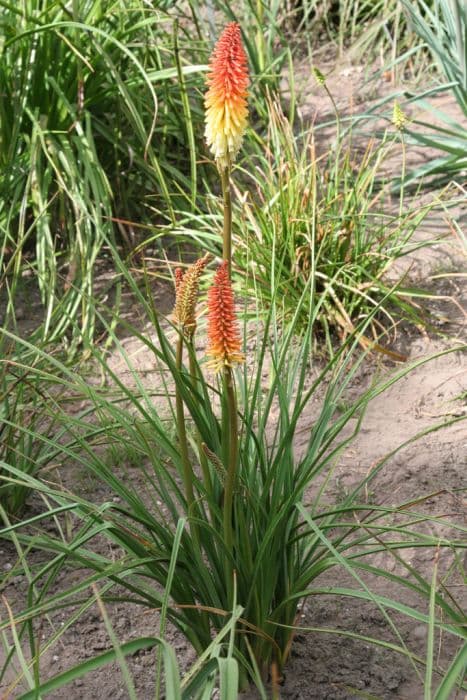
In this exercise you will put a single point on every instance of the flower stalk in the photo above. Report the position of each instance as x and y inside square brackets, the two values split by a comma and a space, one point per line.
[181, 429]
[226, 118]
[232, 460]
[224, 352]
[227, 226]
[184, 315]
[203, 460]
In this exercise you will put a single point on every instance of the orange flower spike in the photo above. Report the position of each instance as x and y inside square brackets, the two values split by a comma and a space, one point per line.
[225, 100]
[223, 333]
[186, 295]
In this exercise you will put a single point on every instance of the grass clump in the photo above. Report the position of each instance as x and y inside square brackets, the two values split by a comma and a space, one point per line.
[323, 231]
[81, 147]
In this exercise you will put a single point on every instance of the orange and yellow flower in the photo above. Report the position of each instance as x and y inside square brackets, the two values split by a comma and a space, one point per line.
[225, 100]
[223, 333]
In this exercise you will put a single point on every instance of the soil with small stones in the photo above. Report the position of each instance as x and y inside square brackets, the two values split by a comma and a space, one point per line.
[431, 471]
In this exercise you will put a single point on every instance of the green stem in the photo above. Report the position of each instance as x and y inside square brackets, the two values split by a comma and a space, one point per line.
[231, 424]
[227, 229]
[402, 188]
[202, 457]
[231, 476]
[260, 35]
[202, 618]
[182, 439]
[338, 137]
[188, 121]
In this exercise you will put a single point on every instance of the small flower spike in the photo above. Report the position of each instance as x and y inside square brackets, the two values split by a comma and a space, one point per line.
[223, 333]
[225, 100]
[186, 295]
[399, 119]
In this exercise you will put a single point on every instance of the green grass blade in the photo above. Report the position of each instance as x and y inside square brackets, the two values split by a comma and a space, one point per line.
[455, 675]
[86, 667]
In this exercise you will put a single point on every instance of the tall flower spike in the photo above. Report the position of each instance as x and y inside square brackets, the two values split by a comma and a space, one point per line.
[223, 333]
[186, 295]
[225, 100]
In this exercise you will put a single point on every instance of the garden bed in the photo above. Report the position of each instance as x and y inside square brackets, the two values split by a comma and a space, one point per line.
[428, 473]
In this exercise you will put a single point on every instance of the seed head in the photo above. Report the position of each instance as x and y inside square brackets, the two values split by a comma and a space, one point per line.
[320, 79]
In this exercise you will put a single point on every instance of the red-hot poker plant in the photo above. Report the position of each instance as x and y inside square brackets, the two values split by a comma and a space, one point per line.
[236, 475]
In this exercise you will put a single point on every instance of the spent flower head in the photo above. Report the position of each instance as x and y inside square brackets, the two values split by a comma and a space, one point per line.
[223, 333]
[186, 295]
[225, 100]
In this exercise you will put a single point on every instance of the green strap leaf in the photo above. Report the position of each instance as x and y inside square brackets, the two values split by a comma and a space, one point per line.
[101, 660]
[452, 675]
[228, 675]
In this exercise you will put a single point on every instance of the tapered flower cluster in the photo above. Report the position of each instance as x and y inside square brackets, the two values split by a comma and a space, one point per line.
[223, 333]
[225, 100]
[399, 119]
[186, 295]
